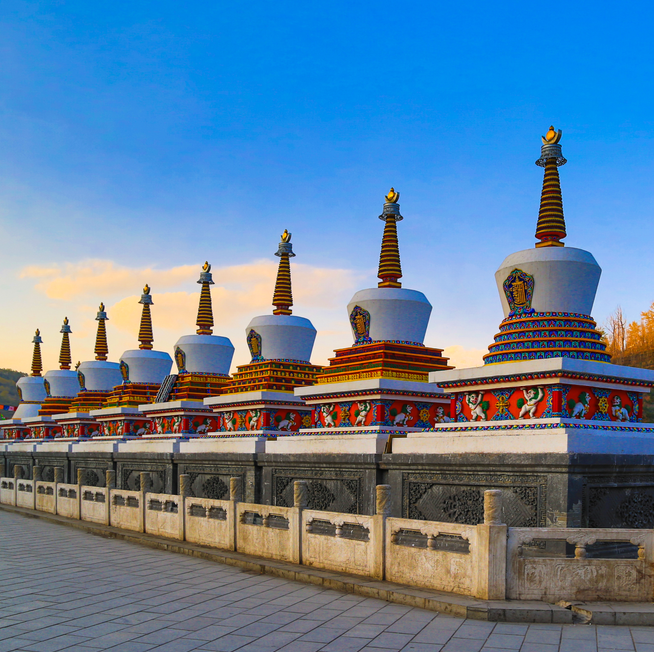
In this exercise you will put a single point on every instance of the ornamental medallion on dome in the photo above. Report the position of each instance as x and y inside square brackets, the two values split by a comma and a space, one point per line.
[124, 371]
[360, 321]
[254, 344]
[180, 359]
[519, 291]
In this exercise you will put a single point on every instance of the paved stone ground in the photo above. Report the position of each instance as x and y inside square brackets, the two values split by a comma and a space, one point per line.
[63, 589]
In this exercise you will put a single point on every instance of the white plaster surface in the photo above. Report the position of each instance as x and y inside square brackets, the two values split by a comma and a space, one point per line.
[171, 406]
[99, 445]
[27, 410]
[63, 382]
[378, 385]
[211, 354]
[147, 366]
[245, 397]
[151, 445]
[100, 375]
[285, 337]
[565, 279]
[32, 388]
[370, 442]
[114, 411]
[395, 313]
[216, 444]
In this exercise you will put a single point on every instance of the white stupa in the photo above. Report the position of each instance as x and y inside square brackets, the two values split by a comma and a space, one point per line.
[31, 389]
[143, 365]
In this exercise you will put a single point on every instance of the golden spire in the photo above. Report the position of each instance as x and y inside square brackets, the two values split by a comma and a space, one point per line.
[101, 348]
[37, 365]
[390, 269]
[205, 312]
[65, 359]
[283, 296]
[551, 223]
[145, 330]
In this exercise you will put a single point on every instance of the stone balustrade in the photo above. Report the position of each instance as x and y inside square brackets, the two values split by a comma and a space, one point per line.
[487, 561]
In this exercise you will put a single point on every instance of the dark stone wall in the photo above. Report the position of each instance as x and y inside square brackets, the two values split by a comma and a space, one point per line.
[538, 490]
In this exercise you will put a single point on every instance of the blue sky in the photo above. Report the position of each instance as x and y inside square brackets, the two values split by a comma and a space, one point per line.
[139, 139]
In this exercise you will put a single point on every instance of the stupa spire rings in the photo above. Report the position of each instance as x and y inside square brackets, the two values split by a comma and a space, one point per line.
[65, 359]
[283, 295]
[551, 223]
[390, 268]
[37, 364]
[205, 310]
[101, 347]
[145, 330]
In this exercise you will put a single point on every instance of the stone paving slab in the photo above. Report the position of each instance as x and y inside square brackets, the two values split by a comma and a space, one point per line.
[64, 589]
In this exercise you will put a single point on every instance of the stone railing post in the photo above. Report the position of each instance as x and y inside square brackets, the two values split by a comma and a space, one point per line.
[184, 485]
[491, 549]
[110, 483]
[184, 493]
[144, 486]
[18, 471]
[234, 499]
[58, 479]
[300, 503]
[80, 477]
[383, 511]
[37, 473]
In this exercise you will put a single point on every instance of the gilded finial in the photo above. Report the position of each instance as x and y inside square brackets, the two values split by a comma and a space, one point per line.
[206, 267]
[146, 289]
[101, 306]
[286, 236]
[77, 365]
[552, 137]
[37, 335]
[392, 197]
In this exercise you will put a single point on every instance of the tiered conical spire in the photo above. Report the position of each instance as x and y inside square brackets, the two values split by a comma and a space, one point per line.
[101, 347]
[145, 330]
[551, 223]
[390, 269]
[205, 312]
[283, 296]
[37, 364]
[65, 359]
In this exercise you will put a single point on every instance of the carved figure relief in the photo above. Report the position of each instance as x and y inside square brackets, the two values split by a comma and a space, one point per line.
[533, 396]
[477, 405]
[180, 359]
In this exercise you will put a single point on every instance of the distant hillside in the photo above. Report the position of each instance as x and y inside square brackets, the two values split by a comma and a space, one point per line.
[8, 393]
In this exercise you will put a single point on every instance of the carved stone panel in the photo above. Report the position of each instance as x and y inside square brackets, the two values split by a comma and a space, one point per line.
[459, 498]
[621, 506]
[326, 490]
